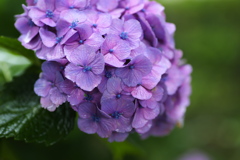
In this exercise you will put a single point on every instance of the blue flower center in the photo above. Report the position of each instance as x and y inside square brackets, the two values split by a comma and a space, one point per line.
[108, 74]
[81, 41]
[59, 39]
[127, 8]
[95, 118]
[74, 24]
[111, 50]
[71, 7]
[88, 97]
[131, 67]
[49, 14]
[143, 10]
[87, 68]
[124, 35]
[116, 115]
[118, 96]
[95, 25]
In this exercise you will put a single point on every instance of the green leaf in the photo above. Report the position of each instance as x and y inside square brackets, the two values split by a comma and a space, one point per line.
[22, 117]
[15, 47]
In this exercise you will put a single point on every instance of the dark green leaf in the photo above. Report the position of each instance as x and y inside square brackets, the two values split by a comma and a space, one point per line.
[22, 117]
[15, 47]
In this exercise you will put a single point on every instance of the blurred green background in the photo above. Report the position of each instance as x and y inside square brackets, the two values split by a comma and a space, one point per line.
[208, 31]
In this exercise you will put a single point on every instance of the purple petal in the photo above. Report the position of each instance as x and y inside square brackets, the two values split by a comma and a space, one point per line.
[42, 87]
[116, 27]
[114, 85]
[47, 104]
[97, 64]
[48, 38]
[87, 125]
[71, 71]
[141, 93]
[107, 7]
[104, 20]
[139, 121]
[48, 21]
[118, 137]
[86, 110]
[143, 65]
[95, 41]
[76, 96]
[105, 128]
[67, 86]
[36, 16]
[82, 55]
[87, 80]
[145, 128]
[112, 60]
[133, 28]
[57, 97]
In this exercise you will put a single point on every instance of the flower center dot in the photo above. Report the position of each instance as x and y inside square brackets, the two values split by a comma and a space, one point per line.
[118, 96]
[124, 35]
[49, 14]
[116, 115]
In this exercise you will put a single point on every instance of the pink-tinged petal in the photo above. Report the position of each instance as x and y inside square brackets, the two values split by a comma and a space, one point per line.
[116, 27]
[69, 36]
[127, 108]
[158, 93]
[116, 13]
[42, 87]
[105, 128]
[118, 137]
[87, 125]
[86, 110]
[57, 97]
[82, 55]
[35, 14]
[150, 103]
[97, 64]
[139, 121]
[46, 4]
[122, 50]
[107, 7]
[133, 28]
[48, 21]
[104, 20]
[143, 65]
[73, 15]
[150, 114]
[62, 5]
[113, 61]
[136, 9]
[87, 80]
[150, 81]
[76, 96]
[141, 93]
[110, 42]
[145, 128]
[47, 104]
[48, 38]
[55, 53]
[71, 71]
[95, 41]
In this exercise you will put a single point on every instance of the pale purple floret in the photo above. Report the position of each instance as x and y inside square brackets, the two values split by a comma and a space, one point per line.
[48, 86]
[108, 73]
[71, 4]
[130, 31]
[115, 92]
[132, 6]
[143, 115]
[85, 67]
[82, 35]
[31, 2]
[92, 120]
[69, 19]
[132, 74]
[44, 13]
[107, 6]
[118, 137]
[75, 94]
[100, 22]
[121, 112]
[115, 51]
[52, 48]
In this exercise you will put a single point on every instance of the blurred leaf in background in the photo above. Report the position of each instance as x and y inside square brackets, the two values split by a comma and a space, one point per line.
[209, 35]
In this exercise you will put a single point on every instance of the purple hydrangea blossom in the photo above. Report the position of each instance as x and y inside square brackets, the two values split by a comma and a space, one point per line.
[92, 120]
[48, 86]
[113, 61]
[85, 67]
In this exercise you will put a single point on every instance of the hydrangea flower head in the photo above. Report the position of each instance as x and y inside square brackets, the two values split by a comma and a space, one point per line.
[114, 61]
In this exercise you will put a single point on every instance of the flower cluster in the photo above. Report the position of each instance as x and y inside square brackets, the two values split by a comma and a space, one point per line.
[114, 61]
